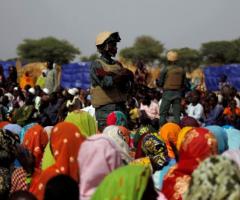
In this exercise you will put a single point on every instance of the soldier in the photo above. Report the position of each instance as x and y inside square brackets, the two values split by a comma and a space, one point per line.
[172, 80]
[110, 81]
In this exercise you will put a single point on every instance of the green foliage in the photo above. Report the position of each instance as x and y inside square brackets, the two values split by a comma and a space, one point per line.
[221, 51]
[90, 58]
[145, 48]
[47, 49]
[189, 58]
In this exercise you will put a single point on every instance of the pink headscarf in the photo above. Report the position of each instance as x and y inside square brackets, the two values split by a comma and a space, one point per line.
[233, 154]
[98, 156]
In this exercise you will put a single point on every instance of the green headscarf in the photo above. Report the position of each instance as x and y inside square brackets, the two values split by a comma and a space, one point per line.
[216, 178]
[125, 183]
[84, 121]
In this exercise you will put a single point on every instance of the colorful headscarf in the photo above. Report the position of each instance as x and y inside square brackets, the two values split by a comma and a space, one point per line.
[221, 137]
[198, 144]
[156, 150]
[84, 121]
[117, 118]
[233, 154]
[65, 141]
[189, 121]
[98, 156]
[126, 183]
[143, 130]
[216, 178]
[14, 128]
[3, 123]
[115, 133]
[181, 135]
[35, 140]
[126, 134]
[24, 130]
[233, 138]
[169, 134]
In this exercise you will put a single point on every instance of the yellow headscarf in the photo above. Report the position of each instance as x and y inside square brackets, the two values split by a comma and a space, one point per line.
[181, 135]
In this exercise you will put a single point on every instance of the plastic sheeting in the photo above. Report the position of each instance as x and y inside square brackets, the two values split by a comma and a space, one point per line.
[213, 74]
[6, 65]
[76, 75]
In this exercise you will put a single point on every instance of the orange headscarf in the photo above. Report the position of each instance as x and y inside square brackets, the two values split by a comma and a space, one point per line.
[169, 133]
[181, 135]
[65, 142]
[35, 140]
[125, 134]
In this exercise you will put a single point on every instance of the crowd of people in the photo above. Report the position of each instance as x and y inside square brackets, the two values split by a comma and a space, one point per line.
[58, 143]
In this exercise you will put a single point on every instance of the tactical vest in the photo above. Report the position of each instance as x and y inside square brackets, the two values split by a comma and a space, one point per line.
[174, 78]
[100, 96]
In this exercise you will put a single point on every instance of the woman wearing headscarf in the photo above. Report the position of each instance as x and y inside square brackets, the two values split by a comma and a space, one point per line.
[233, 136]
[115, 134]
[8, 143]
[189, 121]
[181, 136]
[129, 182]
[198, 144]
[84, 121]
[216, 178]
[3, 123]
[65, 142]
[14, 128]
[30, 157]
[117, 118]
[233, 154]
[221, 137]
[98, 156]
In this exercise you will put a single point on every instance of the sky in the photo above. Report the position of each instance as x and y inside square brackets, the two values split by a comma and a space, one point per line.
[176, 23]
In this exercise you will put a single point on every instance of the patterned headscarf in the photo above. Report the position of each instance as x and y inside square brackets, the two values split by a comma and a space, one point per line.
[156, 150]
[35, 140]
[181, 135]
[126, 183]
[216, 178]
[221, 137]
[65, 142]
[115, 133]
[169, 134]
[198, 144]
[117, 118]
[92, 171]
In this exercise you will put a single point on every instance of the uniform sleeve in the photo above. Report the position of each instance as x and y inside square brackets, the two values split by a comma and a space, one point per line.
[99, 77]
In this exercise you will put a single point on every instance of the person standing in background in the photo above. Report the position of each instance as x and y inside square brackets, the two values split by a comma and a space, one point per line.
[51, 79]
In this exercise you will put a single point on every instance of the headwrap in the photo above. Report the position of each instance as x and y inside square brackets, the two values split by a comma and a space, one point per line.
[169, 134]
[143, 130]
[198, 144]
[156, 150]
[233, 154]
[65, 142]
[116, 135]
[35, 140]
[125, 133]
[126, 183]
[117, 118]
[181, 135]
[3, 123]
[98, 156]
[221, 137]
[233, 138]
[216, 178]
[189, 121]
[84, 121]
[14, 128]
[24, 130]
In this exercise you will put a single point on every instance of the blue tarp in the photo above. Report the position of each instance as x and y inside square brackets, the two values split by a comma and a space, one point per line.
[6, 65]
[76, 75]
[213, 74]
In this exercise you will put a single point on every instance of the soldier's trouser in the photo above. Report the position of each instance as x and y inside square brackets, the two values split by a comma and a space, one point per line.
[103, 111]
[170, 98]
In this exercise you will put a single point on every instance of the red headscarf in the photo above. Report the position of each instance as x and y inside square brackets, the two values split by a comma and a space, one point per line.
[3, 123]
[65, 142]
[35, 140]
[198, 144]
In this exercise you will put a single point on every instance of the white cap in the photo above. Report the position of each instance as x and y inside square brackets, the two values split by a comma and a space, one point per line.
[71, 91]
[15, 88]
[31, 90]
[75, 90]
[45, 90]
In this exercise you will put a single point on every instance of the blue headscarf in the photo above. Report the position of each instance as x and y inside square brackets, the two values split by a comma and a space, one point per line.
[221, 136]
[233, 137]
[14, 128]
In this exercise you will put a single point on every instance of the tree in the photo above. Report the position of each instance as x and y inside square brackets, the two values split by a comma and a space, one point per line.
[47, 49]
[145, 48]
[189, 58]
[90, 58]
[220, 52]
